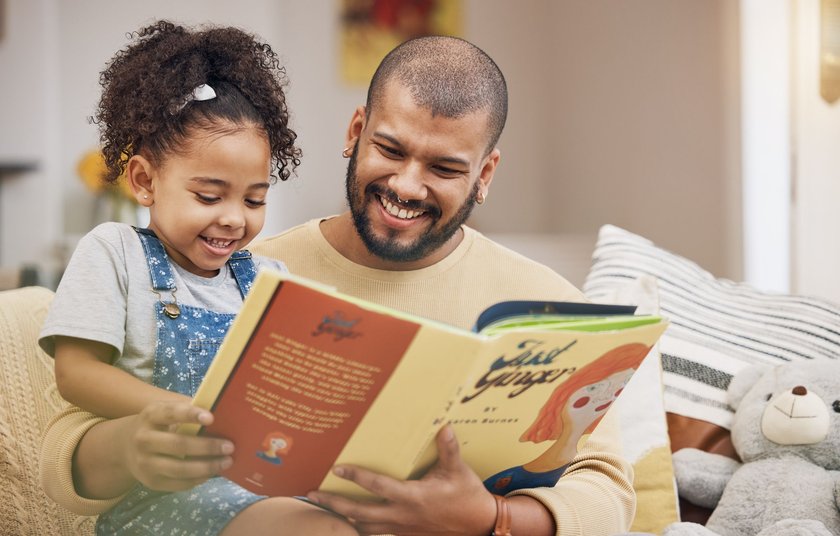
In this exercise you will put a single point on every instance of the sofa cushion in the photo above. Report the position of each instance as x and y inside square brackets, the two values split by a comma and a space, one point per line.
[29, 399]
[717, 326]
[644, 431]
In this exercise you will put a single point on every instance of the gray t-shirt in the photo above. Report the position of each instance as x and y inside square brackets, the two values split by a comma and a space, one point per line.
[106, 295]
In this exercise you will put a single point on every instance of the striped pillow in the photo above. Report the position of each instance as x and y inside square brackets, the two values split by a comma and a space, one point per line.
[717, 326]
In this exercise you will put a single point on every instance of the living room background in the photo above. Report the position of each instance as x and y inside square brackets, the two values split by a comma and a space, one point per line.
[620, 112]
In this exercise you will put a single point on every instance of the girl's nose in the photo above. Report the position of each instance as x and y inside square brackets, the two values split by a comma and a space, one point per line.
[232, 217]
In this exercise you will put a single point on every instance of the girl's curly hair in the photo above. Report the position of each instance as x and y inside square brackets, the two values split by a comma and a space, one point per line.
[145, 86]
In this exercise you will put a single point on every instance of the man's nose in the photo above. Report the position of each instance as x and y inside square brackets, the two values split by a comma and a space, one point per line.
[409, 183]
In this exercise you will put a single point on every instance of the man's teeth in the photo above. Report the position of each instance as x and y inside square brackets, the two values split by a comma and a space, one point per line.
[218, 243]
[398, 212]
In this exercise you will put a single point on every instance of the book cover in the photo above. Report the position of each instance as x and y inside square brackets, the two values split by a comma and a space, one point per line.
[308, 377]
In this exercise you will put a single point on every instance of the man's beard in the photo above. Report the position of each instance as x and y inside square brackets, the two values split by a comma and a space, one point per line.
[389, 248]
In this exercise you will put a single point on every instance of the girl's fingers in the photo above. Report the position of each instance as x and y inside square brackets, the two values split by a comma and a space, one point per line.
[160, 442]
[187, 469]
[166, 414]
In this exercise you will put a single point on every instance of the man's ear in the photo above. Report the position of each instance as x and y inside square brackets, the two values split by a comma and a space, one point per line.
[485, 176]
[354, 130]
[138, 173]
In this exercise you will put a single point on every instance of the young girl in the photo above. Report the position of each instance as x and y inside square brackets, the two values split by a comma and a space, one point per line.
[196, 120]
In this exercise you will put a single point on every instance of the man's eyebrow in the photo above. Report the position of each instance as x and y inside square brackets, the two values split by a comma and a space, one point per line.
[394, 141]
[453, 160]
[388, 137]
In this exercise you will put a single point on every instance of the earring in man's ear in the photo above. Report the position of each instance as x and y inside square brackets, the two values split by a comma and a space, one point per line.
[347, 152]
[480, 198]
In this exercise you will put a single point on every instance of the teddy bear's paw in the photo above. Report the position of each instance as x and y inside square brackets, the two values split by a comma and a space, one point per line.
[687, 529]
[796, 527]
[702, 476]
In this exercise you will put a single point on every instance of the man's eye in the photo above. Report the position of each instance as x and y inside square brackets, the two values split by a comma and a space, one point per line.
[447, 171]
[389, 151]
[206, 198]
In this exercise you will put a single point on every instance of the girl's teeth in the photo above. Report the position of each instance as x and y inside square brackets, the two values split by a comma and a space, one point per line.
[218, 243]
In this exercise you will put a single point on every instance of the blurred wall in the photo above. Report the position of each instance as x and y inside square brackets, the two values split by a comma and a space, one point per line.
[30, 201]
[620, 112]
[816, 145]
[645, 123]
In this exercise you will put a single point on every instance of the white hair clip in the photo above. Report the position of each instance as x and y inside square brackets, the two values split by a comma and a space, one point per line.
[202, 92]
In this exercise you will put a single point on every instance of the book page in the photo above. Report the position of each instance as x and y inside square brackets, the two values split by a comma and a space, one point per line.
[305, 379]
[520, 416]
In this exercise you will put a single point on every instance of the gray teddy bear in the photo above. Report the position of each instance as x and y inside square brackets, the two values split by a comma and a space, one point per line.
[787, 432]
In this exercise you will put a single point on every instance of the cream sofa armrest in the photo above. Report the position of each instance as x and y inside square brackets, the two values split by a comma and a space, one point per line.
[29, 400]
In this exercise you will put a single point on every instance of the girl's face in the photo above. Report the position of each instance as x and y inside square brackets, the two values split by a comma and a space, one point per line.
[208, 200]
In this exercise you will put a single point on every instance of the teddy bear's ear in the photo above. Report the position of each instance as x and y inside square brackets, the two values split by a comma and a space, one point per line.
[742, 381]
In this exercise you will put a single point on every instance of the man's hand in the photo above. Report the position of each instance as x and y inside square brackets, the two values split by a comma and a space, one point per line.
[449, 499]
[163, 460]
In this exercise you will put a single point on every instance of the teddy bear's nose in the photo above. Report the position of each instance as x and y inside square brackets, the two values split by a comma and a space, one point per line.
[800, 390]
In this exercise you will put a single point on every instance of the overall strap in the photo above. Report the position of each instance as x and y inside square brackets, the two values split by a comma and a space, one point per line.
[244, 270]
[159, 268]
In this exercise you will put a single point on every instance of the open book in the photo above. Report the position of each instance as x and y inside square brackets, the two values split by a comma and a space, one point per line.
[308, 377]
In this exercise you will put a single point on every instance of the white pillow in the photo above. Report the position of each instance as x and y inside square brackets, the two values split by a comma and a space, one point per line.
[717, 326]
[641, 414]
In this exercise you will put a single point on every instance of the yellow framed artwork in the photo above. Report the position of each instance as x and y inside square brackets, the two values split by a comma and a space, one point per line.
[371, 28]
[2, 18]
[830, 50]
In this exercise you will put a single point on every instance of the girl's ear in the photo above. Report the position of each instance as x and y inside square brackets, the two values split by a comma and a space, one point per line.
[138, 173]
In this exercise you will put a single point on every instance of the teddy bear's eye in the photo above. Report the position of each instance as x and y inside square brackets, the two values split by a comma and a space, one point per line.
[836, 406]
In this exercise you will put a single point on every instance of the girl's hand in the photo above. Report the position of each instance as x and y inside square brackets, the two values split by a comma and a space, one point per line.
[164, 460]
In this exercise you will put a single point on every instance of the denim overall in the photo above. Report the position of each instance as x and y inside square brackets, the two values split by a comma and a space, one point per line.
[187, 340]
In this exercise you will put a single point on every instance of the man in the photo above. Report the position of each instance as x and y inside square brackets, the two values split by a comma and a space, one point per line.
[422, 153]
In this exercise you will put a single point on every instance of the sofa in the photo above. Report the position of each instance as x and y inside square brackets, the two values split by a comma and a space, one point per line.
[29, 399]
[677, 400]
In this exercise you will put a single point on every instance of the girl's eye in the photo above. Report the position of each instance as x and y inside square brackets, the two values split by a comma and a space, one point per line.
[206, 198]
[255, 203]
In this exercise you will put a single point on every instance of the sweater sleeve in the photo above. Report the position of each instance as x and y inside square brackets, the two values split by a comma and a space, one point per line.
[595, 495]
[61, 437]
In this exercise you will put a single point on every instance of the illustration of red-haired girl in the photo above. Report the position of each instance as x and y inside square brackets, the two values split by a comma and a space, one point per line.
[275, 444]
[574, 408]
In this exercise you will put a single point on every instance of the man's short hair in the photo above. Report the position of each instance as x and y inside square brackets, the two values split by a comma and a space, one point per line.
[448, 76]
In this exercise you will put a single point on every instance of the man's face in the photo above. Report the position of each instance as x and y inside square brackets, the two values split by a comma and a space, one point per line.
[413, 178]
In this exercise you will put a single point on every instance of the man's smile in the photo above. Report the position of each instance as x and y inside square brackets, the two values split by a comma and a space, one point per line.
[399, 212]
